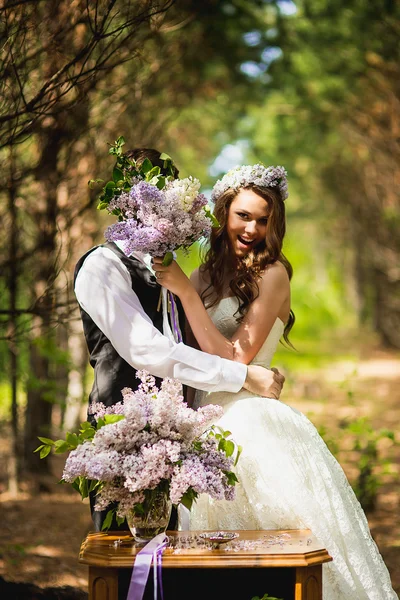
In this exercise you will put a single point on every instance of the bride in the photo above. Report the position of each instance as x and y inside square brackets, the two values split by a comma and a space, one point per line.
[288, 478]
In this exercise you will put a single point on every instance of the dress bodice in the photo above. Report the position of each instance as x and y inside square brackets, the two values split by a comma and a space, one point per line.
[224, 318]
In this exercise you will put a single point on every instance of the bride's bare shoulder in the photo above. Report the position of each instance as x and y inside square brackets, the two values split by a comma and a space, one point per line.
[200, 280]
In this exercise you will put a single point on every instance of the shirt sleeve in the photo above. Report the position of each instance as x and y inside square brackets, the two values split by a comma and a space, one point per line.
[103, 289]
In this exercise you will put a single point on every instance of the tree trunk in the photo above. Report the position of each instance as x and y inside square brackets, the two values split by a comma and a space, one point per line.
[387, 309]
[41, 387]
[38, 409]
[14, 460]
[77, 385]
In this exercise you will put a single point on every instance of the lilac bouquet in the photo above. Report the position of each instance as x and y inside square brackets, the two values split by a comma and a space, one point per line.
[156, 213]
[158, 221]
[149, 441]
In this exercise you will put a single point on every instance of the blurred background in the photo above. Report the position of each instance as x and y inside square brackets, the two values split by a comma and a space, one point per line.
[313, 85]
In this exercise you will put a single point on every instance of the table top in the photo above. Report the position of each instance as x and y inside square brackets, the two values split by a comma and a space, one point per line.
[268, 548]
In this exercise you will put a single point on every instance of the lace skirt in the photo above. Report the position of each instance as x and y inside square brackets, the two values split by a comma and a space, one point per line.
[290, 480]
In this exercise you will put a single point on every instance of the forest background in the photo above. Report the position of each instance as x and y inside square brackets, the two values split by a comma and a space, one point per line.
[313, 85]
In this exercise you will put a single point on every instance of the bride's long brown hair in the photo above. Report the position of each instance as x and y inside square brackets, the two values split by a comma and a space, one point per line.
[248, 269]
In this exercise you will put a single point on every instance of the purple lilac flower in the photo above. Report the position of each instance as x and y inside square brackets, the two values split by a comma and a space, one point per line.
[152, 444]
[159, 221]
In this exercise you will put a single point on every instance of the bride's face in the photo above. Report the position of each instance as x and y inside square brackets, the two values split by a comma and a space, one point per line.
[247, 222]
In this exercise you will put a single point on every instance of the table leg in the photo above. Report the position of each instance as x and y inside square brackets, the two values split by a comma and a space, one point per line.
[308, 583]
[103, 583]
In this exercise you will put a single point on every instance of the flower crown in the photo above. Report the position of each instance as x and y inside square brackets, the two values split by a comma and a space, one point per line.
[246, 175]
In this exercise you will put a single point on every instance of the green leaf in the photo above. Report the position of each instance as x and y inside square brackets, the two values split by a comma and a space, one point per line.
[75, 484]
[102, 205]
[109, 419]
[229, 447]
[165, 157]
[168, 258]
[39, 448]
[188, 498]
[146, 166]
[88, 434]
[46, 440]
[108, 520]
[72, 439]
[222, 444]
[119, 520]
[100, 423]
[239, 452]
[83, 487]
[61, 446]
[93, 183]
[153, 173]
[187, 502]
[161, 182]
[93, 485]
[117, 175]
[232, 479]
[209, 214]
[139, 509]
[45, 451]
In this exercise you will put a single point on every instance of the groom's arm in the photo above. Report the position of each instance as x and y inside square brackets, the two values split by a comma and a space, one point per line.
[104, 290]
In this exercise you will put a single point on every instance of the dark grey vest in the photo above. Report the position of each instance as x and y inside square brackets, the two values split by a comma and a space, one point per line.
[111, 372]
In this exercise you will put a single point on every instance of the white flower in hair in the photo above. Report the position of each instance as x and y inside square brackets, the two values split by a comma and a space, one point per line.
[247, 175]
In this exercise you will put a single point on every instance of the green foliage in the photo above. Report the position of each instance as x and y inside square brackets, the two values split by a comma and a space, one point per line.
[188, 498]
[323, 118]
[72, 440]
[125, 170]
[226, 445]
[370, 463]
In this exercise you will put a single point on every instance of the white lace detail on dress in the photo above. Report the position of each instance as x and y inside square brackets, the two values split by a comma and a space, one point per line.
[289, 480]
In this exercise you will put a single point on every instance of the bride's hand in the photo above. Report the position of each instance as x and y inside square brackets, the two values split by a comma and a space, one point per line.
[171, 277]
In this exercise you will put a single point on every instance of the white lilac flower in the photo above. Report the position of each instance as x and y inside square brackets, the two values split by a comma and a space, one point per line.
[247, 175]
[187, 190]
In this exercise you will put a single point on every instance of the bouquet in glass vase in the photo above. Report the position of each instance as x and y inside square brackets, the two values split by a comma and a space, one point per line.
[157, 213]
[146, 453]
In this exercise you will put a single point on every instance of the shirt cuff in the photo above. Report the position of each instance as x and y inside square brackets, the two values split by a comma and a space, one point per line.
[233, 375]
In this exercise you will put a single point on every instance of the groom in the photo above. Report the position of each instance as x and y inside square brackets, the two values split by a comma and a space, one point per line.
[118, 297]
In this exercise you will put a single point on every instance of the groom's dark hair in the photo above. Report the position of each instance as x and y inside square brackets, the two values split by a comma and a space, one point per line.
[140, 154]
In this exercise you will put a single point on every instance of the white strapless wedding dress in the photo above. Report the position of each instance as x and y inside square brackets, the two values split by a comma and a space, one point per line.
[290, 480]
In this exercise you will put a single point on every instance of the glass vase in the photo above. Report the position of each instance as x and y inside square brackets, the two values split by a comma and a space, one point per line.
[153, 517]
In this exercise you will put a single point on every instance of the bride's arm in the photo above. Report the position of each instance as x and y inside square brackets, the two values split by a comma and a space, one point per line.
[274, 292]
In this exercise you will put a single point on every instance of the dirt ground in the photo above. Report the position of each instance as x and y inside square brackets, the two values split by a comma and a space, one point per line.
[41, 534]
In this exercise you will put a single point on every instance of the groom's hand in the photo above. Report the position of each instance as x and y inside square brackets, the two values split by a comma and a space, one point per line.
[264, 382]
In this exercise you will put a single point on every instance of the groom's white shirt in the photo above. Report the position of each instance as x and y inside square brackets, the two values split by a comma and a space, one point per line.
[103, 288]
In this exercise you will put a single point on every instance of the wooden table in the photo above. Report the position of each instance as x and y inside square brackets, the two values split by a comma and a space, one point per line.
[286, 564]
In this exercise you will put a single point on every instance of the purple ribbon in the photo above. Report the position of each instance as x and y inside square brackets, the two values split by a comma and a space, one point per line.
[175, 324]
[152, 551]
